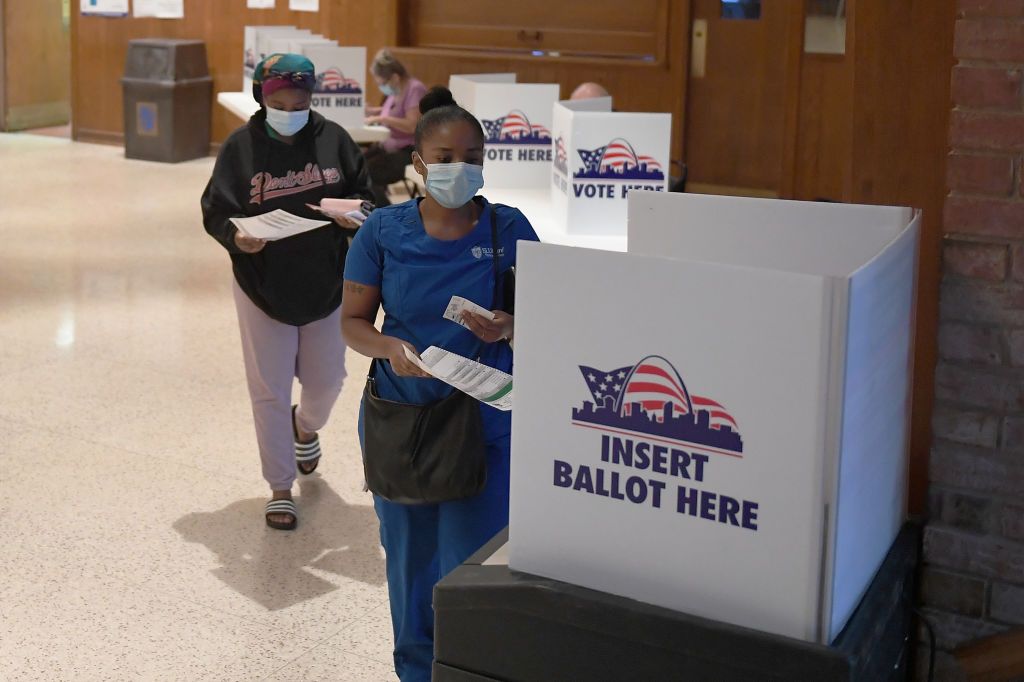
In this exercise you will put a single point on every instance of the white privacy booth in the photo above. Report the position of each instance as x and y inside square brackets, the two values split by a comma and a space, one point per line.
[340, 83]
[516, 118]
[599, 157]
[297, 45]
[256, 46]
[716, 422]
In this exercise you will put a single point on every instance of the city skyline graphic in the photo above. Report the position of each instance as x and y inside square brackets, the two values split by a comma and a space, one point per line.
[650, 398]
[617, 160]
[333, 81]
[515, 128]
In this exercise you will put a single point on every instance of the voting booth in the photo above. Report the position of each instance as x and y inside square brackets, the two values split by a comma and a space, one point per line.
[339, 93]
[297, 45]
[716, 422]
[256, 46]
[516, 119]
[600, 156]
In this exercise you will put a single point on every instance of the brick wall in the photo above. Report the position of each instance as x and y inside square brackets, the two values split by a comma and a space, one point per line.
[973, 579]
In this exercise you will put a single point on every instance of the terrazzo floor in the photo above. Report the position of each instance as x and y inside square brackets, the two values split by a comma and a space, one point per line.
[132, 543]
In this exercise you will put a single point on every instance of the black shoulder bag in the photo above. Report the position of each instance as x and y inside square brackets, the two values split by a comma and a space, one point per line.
[426, 454]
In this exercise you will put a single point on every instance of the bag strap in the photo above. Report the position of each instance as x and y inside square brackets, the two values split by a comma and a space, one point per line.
[494, 257]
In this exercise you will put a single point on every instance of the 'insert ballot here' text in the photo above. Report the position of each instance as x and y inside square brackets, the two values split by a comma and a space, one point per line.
[667, 482]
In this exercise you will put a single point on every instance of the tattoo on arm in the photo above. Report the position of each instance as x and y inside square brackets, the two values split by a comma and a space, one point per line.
[354, 287]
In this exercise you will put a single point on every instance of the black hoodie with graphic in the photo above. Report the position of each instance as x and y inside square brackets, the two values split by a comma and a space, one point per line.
[296, 280]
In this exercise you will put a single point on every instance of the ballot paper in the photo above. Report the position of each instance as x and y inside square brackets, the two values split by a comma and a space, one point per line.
[455, 307]
[488, 385]
[356, 209]
[276, 225]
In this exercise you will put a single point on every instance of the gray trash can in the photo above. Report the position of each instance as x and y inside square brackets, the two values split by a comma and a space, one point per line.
[168, 95]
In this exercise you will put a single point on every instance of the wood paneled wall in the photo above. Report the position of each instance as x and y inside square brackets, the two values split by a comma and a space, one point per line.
[3, 66]
[902, 59]
[742, 111]
[873, 130]
[635, 86]
[824, 133]
[100, 45]
[35, 58]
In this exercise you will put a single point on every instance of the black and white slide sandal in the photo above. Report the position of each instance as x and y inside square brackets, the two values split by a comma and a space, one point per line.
[282, 507]
[305, 453]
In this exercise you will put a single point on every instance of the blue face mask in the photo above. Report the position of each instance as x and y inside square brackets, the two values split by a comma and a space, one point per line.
[453, 184]
[388, 90]
[287, 123]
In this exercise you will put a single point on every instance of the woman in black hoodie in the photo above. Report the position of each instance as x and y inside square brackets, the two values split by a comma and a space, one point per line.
[287, 292]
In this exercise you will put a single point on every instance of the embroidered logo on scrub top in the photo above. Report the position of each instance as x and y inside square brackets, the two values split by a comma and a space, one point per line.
[266, 186]
[481, 251]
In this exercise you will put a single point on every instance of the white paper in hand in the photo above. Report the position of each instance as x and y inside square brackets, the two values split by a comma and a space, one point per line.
[487, 384]
[276, 225]
[455, 307]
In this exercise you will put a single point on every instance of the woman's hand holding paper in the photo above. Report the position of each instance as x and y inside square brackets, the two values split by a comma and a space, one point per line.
[490, 331]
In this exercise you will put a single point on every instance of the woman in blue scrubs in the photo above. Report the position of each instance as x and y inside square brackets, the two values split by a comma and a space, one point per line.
[411, 259]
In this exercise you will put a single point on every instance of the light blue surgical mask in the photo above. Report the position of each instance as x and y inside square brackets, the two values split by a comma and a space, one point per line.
[287, 123]
[453, 184]
[388, 90]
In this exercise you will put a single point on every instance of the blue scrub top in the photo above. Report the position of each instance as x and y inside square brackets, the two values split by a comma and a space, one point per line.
[418, 274]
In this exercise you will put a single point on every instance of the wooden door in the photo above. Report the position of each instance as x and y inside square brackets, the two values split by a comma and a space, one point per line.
[35, 39]
[742, 100]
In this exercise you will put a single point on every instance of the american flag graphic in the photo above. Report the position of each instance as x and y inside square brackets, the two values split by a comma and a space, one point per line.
[618, 155]
[606, 386]
[719, 417]
[515, 127]
[561, 158]
[651, 399]
[653, 383]
[333, 80]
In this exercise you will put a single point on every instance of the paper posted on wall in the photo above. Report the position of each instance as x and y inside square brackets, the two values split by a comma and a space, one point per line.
[161, 9]
[276, 225]
[111, 8]
[488, 385]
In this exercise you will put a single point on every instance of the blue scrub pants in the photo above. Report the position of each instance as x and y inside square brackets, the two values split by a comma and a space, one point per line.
[424, 543]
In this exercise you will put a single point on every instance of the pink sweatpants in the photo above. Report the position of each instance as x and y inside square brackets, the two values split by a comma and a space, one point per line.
[275, 354]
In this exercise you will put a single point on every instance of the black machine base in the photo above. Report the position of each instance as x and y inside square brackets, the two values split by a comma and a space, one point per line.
[492, 623]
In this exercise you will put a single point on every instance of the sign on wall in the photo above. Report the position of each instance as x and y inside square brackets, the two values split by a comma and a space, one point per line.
[110, 8]
[160, 9]
[304, 5]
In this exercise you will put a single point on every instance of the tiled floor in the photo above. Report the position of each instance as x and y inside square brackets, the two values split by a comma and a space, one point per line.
[132, 544]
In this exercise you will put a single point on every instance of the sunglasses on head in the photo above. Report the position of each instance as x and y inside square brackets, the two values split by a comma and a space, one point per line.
[304, 78]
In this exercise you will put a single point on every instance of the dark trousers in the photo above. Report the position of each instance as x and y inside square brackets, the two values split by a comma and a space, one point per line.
[423, 543]
[385, 168]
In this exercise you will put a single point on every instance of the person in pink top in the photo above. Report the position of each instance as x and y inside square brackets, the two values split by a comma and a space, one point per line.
[400, 114]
